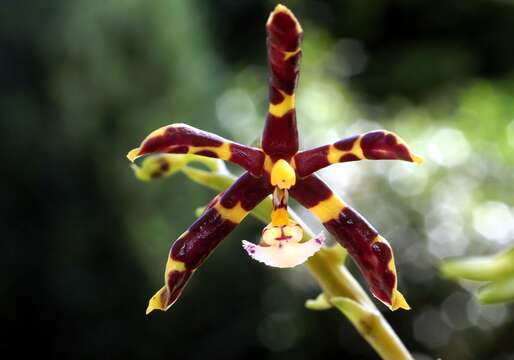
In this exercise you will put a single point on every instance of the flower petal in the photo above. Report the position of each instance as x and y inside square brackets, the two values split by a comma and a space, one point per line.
[185, 139]
[285, 255]
[193, 247]
[373, 145]
[284, 35]
[370, 251]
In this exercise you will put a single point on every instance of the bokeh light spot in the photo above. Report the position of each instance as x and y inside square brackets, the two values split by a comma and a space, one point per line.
[236, 109]
[449, 147]
[494, 221]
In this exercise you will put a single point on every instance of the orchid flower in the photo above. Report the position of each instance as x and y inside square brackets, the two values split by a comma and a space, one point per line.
[279, 169]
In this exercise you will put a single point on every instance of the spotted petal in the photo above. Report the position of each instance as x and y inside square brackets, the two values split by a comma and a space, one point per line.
[373, 145]
[185, 139]
[370, 251]
[193, 247]
[284, 35]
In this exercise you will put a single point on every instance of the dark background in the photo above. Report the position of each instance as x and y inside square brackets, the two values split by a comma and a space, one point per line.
[84, 243]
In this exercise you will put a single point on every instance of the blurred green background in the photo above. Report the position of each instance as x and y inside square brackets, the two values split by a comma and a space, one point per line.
[84, 243]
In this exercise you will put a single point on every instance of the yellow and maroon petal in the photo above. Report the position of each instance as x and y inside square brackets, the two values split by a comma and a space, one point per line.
[191, 249]
[370, 251]
[373, 145]
[284, 35]
[185, 139]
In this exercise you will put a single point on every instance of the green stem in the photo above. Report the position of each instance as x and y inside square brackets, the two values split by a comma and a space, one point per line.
[337, 282]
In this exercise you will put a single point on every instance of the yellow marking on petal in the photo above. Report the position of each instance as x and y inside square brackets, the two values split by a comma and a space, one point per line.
[399, 301]
[268, 164]
[391, 264]
[283, 175]
[284, 106]
[222, 152]
[293, 163]
[279, 217]
[159, 132]
[376, 239]
[290, 54]
[418, 160]
[328, 209]
[155, 303]
[133, 154]
[281, 8]
[162, 130]
[334, 154]
[235, 214]
[174, 265]
[357, 149]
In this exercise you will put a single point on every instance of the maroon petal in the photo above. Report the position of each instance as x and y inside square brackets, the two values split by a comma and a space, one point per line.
[374, 145]
[370, 251]
[191, 249]
[185, 139]
[280, 137]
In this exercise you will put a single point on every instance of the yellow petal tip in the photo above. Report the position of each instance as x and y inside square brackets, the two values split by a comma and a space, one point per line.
[149, 309]
[418, 160]
[280, 8]
[132, 154]
[155, 303]
[399, 302]
[284, 9]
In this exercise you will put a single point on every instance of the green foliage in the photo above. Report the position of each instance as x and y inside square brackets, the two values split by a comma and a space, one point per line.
[497, 271]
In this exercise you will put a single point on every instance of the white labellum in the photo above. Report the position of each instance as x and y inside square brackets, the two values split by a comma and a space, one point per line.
[284, 253]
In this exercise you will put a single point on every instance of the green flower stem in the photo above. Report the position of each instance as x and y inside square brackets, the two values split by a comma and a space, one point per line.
[373, 327]
[339, 286]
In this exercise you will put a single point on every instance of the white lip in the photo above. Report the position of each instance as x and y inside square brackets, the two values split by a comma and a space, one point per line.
[286, 254]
